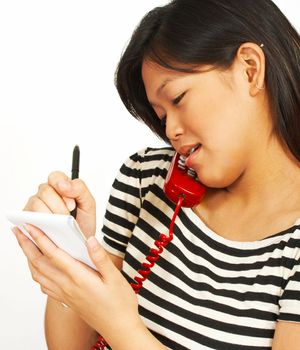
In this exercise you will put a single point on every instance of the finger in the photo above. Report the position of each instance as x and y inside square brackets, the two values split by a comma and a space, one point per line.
[100, 258]
[36, 204]
[52, 295]
[30, 250]
[56, 297]
[58, 258]
[74, 189]
[57, 176]
[42, 272]
[54, 200]
[48, 277]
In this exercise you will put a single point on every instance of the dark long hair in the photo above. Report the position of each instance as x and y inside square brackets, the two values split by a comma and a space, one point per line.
[186, 33]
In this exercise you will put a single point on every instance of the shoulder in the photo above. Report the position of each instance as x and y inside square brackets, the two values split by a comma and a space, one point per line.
[149, 159]
[151, 154]
[145, 167]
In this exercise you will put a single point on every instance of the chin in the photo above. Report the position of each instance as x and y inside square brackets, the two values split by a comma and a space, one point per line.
[216, 180]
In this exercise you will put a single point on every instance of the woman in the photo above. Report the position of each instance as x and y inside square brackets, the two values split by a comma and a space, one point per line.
[218, 80]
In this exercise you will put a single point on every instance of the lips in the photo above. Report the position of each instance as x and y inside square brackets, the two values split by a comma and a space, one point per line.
[189, 149]
[192, 155]
[194, 149]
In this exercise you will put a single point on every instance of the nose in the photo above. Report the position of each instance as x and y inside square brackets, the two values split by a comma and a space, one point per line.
[174, 128]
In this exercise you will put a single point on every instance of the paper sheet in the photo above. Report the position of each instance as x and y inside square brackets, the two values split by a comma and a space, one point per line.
[63, 230]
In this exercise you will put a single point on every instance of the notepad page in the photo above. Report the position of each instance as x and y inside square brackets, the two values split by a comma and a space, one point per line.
[63, 230]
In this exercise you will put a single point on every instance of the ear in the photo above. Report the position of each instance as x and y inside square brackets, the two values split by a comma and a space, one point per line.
[252, 59]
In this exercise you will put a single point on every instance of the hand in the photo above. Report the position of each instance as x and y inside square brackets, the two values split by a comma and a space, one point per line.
[103, 299]
[60, 195]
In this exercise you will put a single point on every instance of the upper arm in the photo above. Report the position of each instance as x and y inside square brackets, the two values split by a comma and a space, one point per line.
[287, 336]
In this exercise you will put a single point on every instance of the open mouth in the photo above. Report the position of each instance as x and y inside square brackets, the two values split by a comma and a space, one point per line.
[189, 160]
[194, 149]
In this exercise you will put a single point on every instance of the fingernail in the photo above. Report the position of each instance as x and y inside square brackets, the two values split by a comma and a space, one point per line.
[30, 230]
[70, 203]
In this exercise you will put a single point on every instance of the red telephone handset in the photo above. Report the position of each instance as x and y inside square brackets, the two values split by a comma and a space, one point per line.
[184, 189]
[182, 181]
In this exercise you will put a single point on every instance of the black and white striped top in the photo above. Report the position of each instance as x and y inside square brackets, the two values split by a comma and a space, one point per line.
[205, 292]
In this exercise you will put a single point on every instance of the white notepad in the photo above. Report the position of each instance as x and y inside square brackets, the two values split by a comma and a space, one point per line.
[63, 230]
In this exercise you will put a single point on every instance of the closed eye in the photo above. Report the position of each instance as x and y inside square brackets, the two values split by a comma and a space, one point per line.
[178, 99]
[175, 101]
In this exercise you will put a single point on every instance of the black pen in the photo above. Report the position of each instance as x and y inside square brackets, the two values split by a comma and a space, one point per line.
[75, 171]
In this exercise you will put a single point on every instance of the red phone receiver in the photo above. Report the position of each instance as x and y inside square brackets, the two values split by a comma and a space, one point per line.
[182, 181]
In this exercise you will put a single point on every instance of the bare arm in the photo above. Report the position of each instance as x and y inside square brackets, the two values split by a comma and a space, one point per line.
[287, 336]
[64, 329]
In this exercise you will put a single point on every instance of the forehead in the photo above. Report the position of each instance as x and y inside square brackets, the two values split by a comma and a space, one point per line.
[155, 76]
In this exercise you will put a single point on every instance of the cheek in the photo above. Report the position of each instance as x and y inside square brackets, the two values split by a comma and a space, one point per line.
[224, 131]
[221, 174]
[222, 163]
[226, 128]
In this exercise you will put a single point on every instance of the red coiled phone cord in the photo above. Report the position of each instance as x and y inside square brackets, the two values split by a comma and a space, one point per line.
[160, 244]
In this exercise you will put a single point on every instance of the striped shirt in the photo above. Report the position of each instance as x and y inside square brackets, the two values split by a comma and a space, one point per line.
[205, 292]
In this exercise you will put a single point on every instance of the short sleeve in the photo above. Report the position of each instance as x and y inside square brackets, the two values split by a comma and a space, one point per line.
[124, 205]
[290, 300]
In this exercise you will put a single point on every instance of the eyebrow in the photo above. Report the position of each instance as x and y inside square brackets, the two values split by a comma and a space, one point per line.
[167, 80]
[161, 87]
[164, 83]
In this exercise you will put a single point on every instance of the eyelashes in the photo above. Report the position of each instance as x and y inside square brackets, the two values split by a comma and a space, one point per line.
[178, 99]
[174, 102]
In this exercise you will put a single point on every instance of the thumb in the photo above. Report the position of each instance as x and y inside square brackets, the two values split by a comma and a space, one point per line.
[99, 257]
[77, 190]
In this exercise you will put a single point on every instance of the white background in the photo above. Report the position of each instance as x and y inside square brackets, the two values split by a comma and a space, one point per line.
[57, 62]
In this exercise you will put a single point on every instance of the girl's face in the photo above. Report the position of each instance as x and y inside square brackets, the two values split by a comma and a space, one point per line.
[215, 110]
